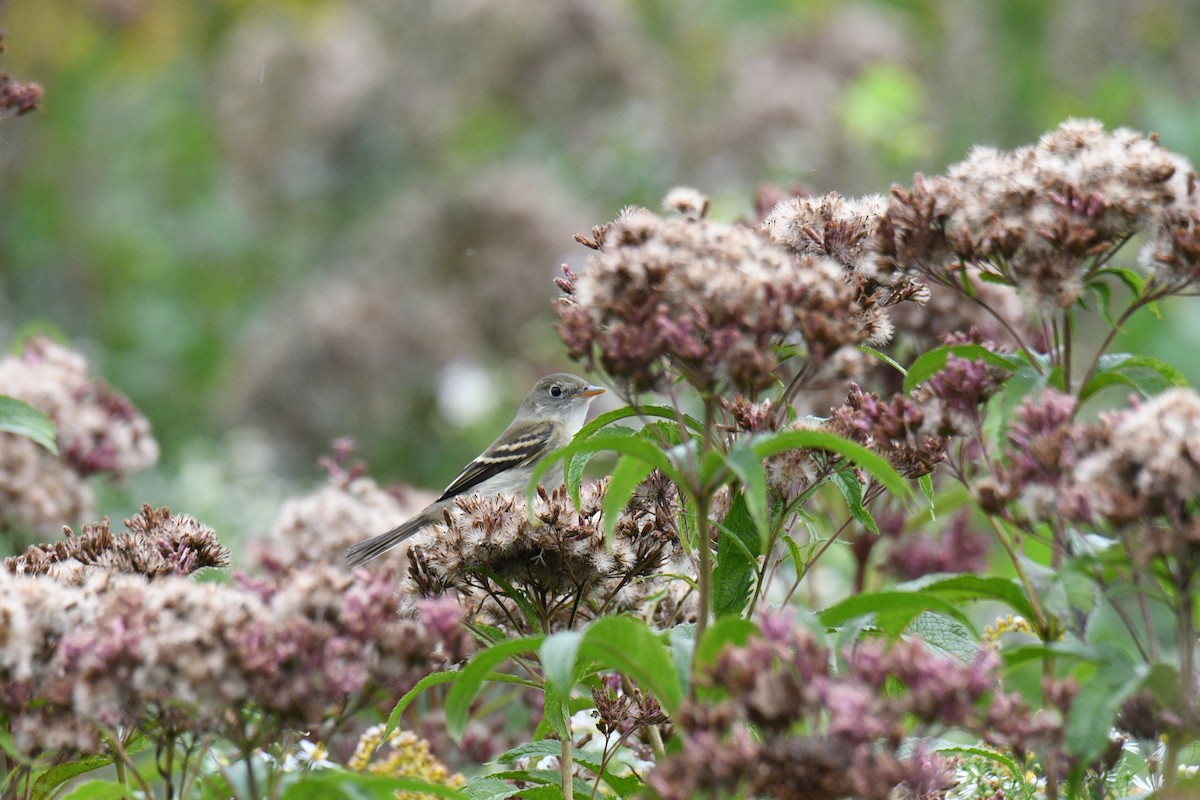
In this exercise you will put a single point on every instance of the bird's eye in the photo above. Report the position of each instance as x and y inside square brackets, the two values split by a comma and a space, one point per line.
[556, 391]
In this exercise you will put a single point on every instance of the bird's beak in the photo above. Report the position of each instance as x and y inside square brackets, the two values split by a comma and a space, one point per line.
[592, 391]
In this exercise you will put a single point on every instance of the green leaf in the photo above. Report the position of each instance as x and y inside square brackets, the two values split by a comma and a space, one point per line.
[662, 412]
[539, 749]
[852, 491]
[932, 362]
[1103, 294]
[576, 464]
[994, 278]
[871, 463]
[975, 587]
[738, 546]
[628, 473]
[683, 646]
[472, 677]
[21, 418]
[99, 790]
[48, 782]
[433, 679]
[945, 634]
[893, 610]
[332, 784]
[559, 653]
[486, 787]
[630, 647]
[1147, 374]
[926, 484]
[745, 463]
[981, 752]
[1095, 706]
[1132, 280]
[725, 632]
[622, 444]
[557, 710]
[884, 357]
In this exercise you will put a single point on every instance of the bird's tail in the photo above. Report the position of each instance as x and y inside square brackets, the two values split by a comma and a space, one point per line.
[363, 552]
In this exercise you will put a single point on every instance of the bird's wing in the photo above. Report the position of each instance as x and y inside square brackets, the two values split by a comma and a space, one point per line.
[501, 456]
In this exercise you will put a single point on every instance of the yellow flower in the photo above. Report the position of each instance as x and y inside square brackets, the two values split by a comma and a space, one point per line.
[403, 755]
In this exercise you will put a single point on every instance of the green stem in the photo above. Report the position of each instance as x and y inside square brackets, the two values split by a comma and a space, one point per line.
[1040, 621]
[568, 766]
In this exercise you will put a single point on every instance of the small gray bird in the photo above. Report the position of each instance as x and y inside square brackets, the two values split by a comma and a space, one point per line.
[551, 415]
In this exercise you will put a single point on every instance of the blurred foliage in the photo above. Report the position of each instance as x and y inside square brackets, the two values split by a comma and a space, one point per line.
[288, 217]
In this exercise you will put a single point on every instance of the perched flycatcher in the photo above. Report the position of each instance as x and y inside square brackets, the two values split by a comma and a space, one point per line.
[551, 415]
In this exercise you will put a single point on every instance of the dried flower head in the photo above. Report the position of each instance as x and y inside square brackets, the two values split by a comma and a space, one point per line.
[1144, 462]
[560, 563]
[155, 543]
[704, 299]
[1041, 217]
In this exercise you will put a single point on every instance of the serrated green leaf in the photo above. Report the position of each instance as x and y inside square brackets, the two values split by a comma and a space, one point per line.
[49, 781]
[1095, 706]
[487, 787]
[852, 492]
[981, 752]
[472, 677]
[1147, 374]
[975, 587]
[745, 463]
[738, 546]
[556, 710]
[23, 419]
[893, 610]
[539, 749]
[933, 361]
[873, 464]
[945, 634]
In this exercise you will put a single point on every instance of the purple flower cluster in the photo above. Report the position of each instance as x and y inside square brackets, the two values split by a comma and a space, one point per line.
[99, 431]
[897, 429]
[683, 295]
[90, 642]
[822, 734]
[1132, 469]
[1041, 218]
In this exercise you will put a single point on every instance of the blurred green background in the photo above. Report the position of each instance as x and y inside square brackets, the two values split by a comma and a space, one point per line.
[273, 223]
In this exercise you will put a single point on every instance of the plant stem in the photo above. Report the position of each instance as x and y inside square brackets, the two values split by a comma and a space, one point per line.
[703, 532]
[1043, 627]
[568, 766]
